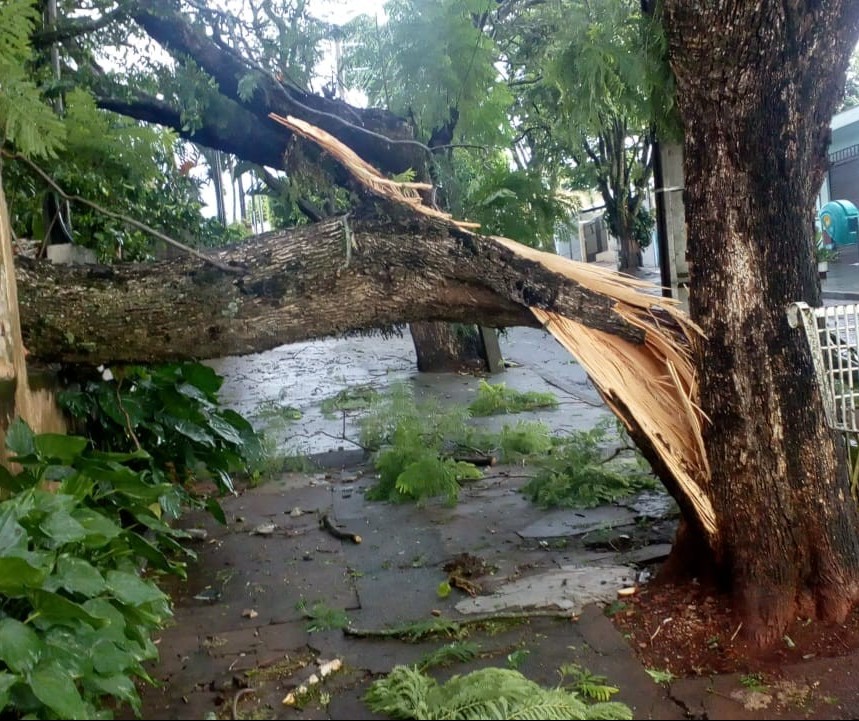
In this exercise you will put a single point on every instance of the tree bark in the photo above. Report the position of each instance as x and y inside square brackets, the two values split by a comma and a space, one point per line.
[292, 285]
[757, 84]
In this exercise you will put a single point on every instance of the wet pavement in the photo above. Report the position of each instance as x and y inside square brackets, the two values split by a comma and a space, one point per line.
[242, 640]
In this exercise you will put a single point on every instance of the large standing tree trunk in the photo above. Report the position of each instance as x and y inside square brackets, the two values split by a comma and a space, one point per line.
[757, 83]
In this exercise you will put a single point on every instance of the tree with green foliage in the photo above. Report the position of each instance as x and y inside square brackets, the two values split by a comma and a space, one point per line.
[851, 86]
[591, 89]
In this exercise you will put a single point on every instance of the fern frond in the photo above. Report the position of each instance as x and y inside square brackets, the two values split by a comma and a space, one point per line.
[488, 693]
[401, 694]
[25, 120]
[456, 652]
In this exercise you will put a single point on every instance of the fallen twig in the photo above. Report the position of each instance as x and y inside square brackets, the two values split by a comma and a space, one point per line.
[329, 526]
[405, 631]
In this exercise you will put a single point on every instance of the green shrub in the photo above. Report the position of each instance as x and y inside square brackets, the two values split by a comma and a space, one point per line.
[76, 614]
[174, 413]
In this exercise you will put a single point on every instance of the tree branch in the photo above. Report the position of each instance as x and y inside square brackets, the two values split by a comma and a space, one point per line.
[77, 27]
[295, 286]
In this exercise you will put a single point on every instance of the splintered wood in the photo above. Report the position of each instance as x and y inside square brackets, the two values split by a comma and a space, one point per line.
[649, 385]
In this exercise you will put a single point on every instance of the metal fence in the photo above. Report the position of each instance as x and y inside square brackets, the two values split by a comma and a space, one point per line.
[833, 336]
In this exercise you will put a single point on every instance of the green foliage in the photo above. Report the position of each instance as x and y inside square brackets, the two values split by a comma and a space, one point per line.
[417, 631]
[455, 652]
[76, 614]
[660, 675]
[594, 84]
[121, 165]
[411, 473]
[581, 681]
[489, 693]
[516, 658]
[26, 121]
[521, 443]
[410, 439]
[429, 60]
[525, 203]
[493, 399]
[322, 617]
[579, 474]
[426, 421]
[174, 412]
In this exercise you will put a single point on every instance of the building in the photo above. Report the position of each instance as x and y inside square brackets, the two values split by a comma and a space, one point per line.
[842, 178]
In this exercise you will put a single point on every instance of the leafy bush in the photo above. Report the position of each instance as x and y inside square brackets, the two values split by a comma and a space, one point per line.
[488, 693]
[413, 443]
[579, 473]
[76, 615]
[173, 412]
[521, 443]
[494, 399]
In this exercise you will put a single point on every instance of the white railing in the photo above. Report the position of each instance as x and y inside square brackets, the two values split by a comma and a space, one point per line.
[833, 336]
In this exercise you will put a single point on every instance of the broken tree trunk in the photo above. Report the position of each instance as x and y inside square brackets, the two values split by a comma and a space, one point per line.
[35, 405]
[301, 284]
[293, 285]
[790, 544]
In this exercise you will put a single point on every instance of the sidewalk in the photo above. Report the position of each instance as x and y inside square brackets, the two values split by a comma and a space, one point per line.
[842, 279]
[238, 624]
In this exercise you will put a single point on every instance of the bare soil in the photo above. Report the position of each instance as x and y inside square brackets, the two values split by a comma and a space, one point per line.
[690, 630]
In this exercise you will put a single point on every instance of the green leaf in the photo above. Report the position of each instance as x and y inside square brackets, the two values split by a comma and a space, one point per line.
[56, 609]
[153, 554]
[192, 431]
[20, 646]
[217, 512]
[225, 430]
[15, 482]
[118, 686]
[55, 688]
[78, 576]
[111, 619]
[7, 681]
[202, 377]
[12, 533]
[131, 589]
[19, 438]
[62, 528]
[100, 530]
[108, 658]
[59, 446]
[18, 573]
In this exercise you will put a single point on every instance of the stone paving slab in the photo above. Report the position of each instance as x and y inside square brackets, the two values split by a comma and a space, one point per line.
[554, 524]
[567, 589]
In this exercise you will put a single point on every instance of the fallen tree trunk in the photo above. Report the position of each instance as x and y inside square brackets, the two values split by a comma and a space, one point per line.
[301, 284]
[293, 285]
